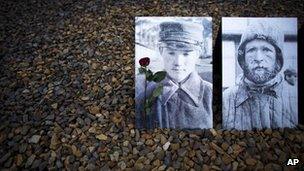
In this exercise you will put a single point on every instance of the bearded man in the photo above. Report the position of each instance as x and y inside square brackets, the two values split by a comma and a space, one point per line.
[261, 97]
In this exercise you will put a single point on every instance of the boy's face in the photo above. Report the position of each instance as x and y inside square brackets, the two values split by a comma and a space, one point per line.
[179, 63]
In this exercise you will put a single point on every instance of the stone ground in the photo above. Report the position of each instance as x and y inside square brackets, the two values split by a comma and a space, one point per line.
[67, 88]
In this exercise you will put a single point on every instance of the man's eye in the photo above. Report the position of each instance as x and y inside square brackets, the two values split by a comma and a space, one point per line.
[267, 50]
[186, 54]
[251, 50]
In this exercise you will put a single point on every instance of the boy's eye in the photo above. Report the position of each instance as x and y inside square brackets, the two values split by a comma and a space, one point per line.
[171, 53]
[186, 54]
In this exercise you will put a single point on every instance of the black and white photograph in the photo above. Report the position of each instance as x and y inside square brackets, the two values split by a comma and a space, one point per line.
[259, 73]
[173, 72]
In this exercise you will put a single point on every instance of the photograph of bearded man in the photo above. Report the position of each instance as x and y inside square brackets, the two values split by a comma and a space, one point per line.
[261, 97]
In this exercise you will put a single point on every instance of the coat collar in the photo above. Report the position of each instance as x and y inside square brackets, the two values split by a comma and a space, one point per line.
[242, 93]
[191, 86]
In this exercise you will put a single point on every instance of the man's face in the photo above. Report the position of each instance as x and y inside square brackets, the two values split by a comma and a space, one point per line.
[260, 61]
[179, 63]
[291, 79]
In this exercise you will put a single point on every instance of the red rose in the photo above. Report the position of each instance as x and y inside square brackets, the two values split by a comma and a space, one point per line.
[144, 61]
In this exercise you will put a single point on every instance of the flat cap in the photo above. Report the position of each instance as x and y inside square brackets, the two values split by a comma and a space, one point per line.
[187, 32]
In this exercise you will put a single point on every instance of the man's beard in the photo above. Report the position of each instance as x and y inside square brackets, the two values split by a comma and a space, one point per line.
[262, 76]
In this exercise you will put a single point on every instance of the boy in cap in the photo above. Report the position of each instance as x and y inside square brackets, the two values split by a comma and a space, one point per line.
[186, 100]
[260, 99]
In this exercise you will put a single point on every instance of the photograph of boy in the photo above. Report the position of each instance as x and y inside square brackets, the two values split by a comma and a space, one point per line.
[186, 99]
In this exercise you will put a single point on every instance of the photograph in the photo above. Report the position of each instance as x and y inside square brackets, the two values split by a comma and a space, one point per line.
[259, 73]
[173, 72]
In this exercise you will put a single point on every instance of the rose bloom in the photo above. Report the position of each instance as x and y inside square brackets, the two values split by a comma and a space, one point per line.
[144, 61]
